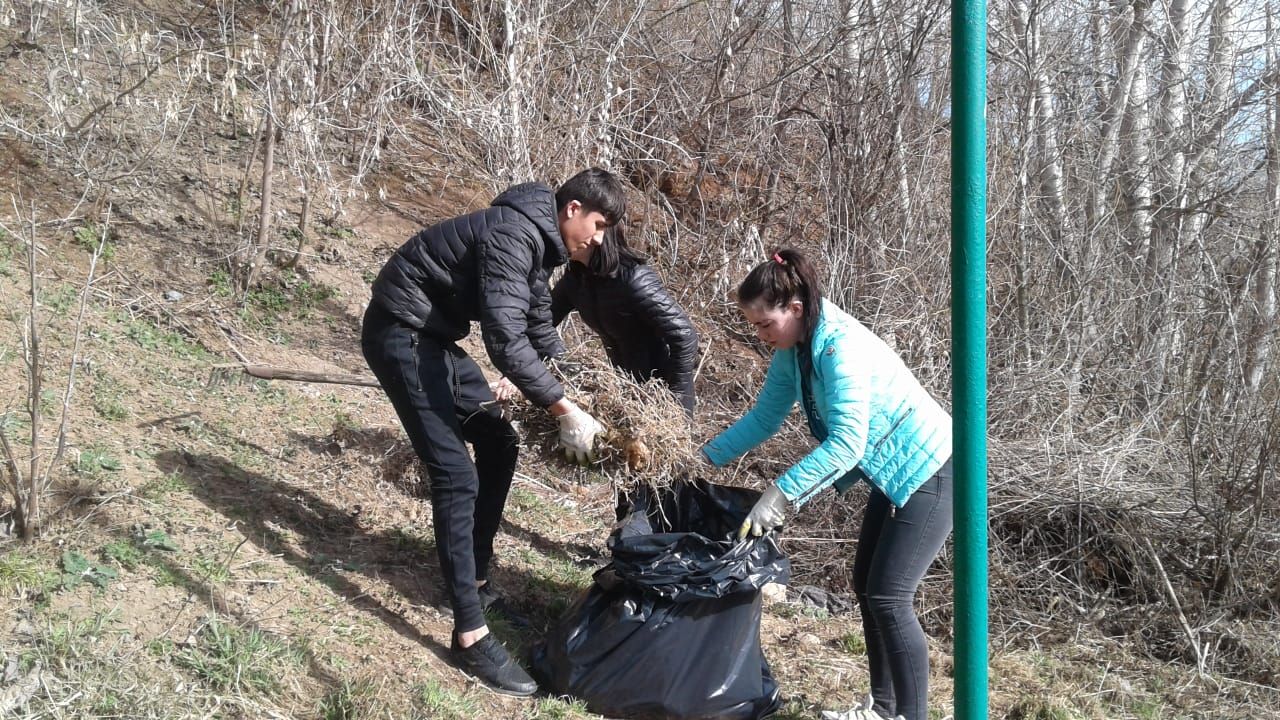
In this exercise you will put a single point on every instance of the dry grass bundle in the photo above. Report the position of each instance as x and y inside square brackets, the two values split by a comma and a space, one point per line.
[648, 435]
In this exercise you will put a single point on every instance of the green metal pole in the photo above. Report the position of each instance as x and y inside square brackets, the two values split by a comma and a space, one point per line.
[969, 350]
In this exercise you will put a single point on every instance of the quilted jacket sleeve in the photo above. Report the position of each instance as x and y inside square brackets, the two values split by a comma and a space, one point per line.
[505, 257]
[848, 422]
[542, 329]
[656, 307]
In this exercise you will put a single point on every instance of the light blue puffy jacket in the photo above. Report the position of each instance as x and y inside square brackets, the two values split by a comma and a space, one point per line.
[879, 419]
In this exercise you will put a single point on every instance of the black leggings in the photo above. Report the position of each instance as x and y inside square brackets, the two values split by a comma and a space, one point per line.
[895, 549]
[444, 402]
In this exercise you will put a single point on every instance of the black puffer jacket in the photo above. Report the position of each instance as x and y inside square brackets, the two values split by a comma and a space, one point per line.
[644, 331]
[490, 266]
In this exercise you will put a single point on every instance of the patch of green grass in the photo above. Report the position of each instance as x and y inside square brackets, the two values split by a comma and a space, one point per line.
[211, 568]
[554, 574]
[794, 610]
[853, 644]
[233, 659]
[123, 553]
[356, 634]
[352, 700]
[557, 709]
[337, 232]
[309, 295]
[161, 648]
[533, 507]
[290, 294]
[7, 251]
[219, 282]
[77, 569]
[1039, 708]
[108, 704]
[558, 605]
[72, 638]
[793, 710]
[1148, 709]
[20, 571]
[155, 540]
[150, 337]
[165, 575]
[195, 427]
[134, 552]
[440, 703]
[158, 488]
[95, 462]
[268, 390]
[14, 424]
[108, 400]
[89, 235]
[410, 539]
[60, 298]
[271, 298]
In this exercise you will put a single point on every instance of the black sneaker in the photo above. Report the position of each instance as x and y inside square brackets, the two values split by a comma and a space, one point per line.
[490, 663]
[492, 601]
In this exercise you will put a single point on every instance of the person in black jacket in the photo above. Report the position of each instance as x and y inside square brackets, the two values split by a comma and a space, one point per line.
[620, 297]
[489, 266]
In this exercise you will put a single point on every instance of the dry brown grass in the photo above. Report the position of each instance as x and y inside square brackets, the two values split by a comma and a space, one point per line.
[648, 437]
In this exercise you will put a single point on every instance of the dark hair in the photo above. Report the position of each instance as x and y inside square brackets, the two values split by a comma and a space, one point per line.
[612, 254]
[598, 190]
[787, 275]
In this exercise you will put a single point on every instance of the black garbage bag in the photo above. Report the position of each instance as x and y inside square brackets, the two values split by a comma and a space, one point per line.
[670, 629]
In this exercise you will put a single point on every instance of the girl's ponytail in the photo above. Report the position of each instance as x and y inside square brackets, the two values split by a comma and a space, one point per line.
[787, 275]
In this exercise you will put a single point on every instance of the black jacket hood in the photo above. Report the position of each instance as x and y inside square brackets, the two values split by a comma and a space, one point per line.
[538, 203]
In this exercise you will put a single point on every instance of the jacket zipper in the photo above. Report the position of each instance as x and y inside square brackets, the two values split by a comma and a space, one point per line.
[417, 371]
[893, 507]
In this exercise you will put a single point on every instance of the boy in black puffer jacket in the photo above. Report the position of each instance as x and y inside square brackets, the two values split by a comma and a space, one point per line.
[644, 330]
[489, 266]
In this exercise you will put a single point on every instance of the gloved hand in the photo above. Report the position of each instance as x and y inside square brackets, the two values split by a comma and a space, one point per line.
[768, 513]
[504, 390]
[578, 432]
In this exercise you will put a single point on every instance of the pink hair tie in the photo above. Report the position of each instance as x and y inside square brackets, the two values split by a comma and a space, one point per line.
[778, 259]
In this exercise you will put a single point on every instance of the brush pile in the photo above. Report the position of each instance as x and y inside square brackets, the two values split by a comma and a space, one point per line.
[647, 434]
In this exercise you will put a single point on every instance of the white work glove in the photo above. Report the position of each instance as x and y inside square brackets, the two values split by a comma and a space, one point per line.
[504, 390]
[768, 513]
[578, 432]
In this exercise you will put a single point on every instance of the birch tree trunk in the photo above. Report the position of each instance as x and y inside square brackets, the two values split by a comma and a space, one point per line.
[517, 164]
[1214, 111]
[1137, 173]
[1170, 168]
[1258, 351]
[1132, 27]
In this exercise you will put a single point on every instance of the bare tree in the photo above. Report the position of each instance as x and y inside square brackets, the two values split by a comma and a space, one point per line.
[29, 486]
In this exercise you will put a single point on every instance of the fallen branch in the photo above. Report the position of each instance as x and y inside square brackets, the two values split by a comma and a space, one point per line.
[270, 372]
[1192, 636]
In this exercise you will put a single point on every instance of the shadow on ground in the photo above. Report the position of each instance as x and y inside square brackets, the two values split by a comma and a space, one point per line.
[314, 535]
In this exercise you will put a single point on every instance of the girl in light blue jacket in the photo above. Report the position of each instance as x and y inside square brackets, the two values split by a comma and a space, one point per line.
[873, 421]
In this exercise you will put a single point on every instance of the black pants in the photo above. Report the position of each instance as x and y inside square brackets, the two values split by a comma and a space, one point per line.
[895, 549]
[444, 402]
